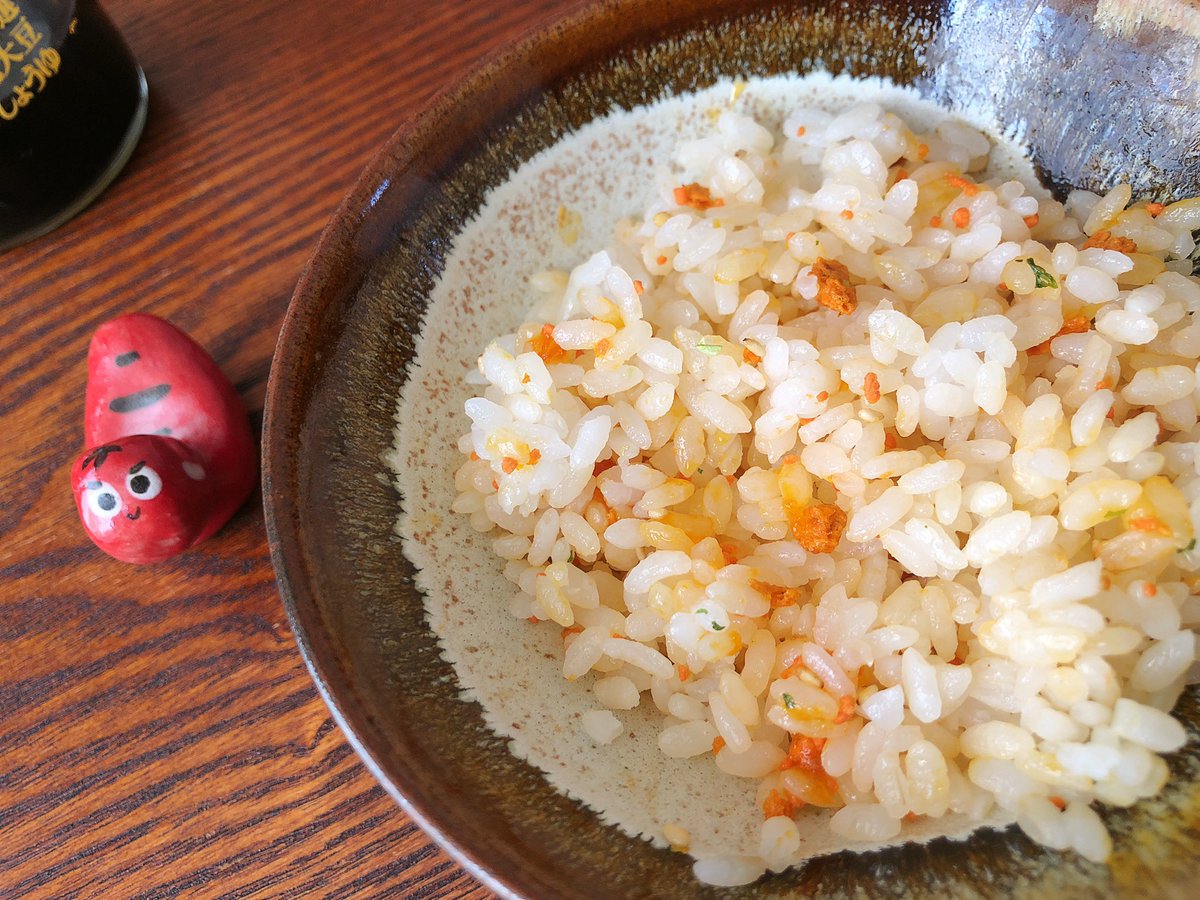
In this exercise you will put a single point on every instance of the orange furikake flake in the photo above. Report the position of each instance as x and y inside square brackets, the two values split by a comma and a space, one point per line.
[804, 753]
[889, 441]
[750, 357]
[1104, 240]
[935, 221]
[901, 174]
[922, 151]
[1058, 801]
[544, 345]
[474, 456]
[1031, 221]
[847, 214]
[718, 744]
[823, 396]
[780, 803]
[1103, 384]
[800, 131]
[525, 379]
[603, 346]
[778, 596]
[1155, 209]
[962, 217]
[795, 667]
[790, 460]
[845, 711]
[534, 456]
[638, 286]
[871, 387]
[1150, 589]
[967, 186]
[662, 261]
[533, 620]
[1073, 325]
[509, 464]
[819, 527]
[683, 672]
[573, 629]
[1076, 325]
[834, 290]
[1151, 524]
[729, 553]
[697, 197]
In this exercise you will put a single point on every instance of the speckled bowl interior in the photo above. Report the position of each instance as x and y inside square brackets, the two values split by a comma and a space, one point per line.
[1099, 93]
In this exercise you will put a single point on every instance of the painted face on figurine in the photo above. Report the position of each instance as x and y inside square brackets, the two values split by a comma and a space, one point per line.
[143, 499]
[171, 453]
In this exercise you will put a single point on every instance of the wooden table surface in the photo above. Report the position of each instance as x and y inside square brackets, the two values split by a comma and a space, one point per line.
[159, 735]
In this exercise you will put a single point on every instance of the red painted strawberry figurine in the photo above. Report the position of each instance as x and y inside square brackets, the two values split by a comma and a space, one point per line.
[171, 454]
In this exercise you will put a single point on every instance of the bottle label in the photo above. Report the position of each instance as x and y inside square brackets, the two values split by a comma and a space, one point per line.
[28, 59]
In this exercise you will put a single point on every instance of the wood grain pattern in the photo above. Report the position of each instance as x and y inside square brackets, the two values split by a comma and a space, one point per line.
[159, 736]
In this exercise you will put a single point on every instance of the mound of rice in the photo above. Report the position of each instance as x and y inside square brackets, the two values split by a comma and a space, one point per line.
[878, 480]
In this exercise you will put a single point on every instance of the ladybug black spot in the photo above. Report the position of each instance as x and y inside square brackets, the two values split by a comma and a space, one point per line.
[139, 399]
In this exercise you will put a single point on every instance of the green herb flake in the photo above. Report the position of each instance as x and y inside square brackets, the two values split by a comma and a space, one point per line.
[1191, 546]
[1041, 278]
[710, 349]
[717, 626]
[1113, 513]
[702, 611]
[789, 701]
[571, 556]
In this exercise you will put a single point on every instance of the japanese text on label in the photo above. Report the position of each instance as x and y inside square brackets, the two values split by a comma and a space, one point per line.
[23, 56]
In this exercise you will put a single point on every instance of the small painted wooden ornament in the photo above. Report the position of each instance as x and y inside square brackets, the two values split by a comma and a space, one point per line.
[172, 456]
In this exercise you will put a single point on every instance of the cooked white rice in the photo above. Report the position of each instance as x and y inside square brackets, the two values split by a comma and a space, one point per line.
[933, 556]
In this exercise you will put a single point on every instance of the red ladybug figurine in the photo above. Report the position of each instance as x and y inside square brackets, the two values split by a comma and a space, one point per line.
[172, 456]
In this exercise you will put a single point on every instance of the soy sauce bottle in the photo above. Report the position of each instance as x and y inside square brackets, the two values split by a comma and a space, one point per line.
[72, 106]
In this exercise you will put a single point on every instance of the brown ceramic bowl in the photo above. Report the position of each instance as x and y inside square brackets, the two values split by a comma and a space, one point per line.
[1096, 100]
